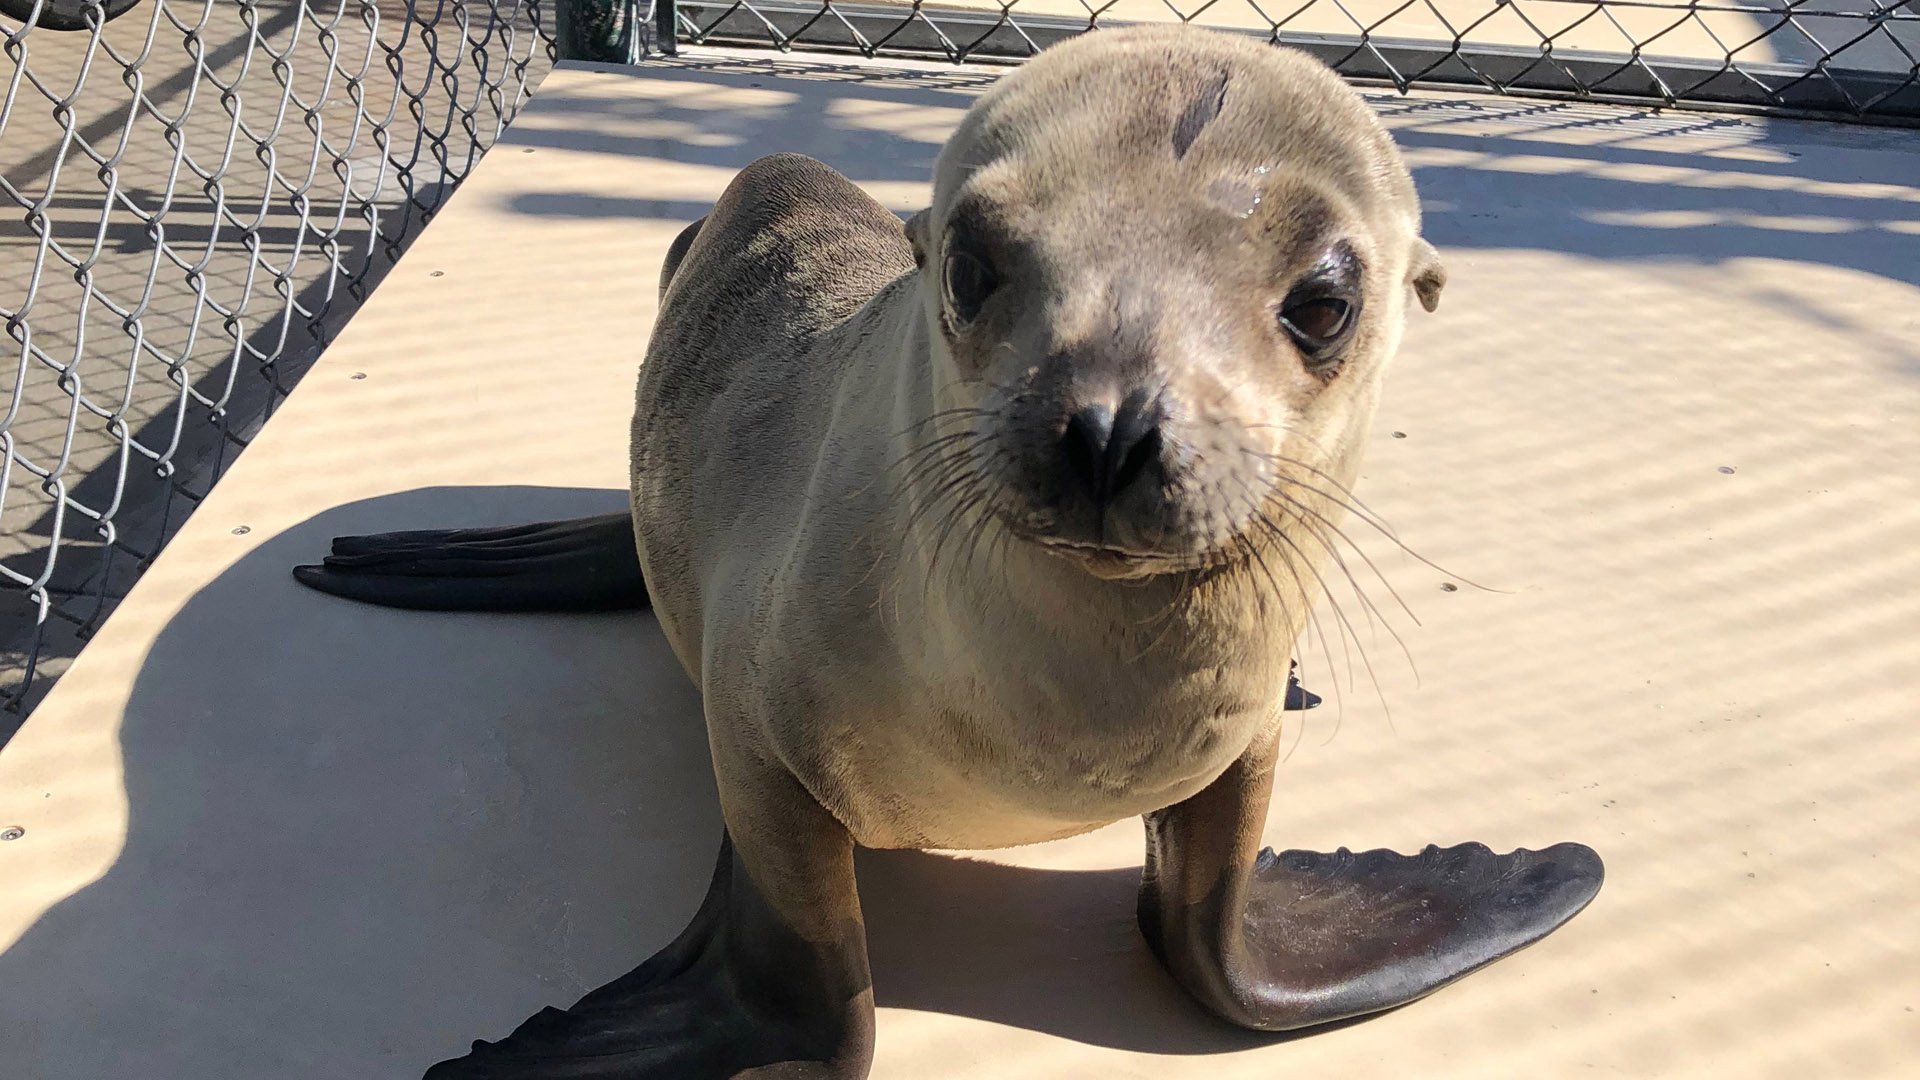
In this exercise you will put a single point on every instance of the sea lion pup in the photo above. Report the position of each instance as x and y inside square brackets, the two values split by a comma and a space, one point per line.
[1002, 527]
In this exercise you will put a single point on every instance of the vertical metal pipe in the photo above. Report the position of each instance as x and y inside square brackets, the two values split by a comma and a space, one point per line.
[608, 31]
[666, 30]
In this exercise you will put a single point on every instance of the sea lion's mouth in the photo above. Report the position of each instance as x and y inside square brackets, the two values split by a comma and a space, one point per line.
[1092, 551]
[1112, 558]
[1112, 562]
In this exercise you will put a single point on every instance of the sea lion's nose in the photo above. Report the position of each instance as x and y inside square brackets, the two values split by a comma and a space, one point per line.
[1107, 449]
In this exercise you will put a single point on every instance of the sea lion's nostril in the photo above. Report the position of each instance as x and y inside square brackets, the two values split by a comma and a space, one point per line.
[1085, 447]
[1134, 459]
[1106, 452]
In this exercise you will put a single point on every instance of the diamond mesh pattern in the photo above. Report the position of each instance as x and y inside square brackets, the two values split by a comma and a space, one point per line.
[196, 195]
[1858, 59]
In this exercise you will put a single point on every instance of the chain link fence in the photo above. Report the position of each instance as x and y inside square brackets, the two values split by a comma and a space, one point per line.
[1858, 59]
[198, 193]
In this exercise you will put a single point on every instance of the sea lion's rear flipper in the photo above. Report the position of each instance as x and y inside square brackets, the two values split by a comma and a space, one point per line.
[586, 564]
[1302, 938]
[1299, 698]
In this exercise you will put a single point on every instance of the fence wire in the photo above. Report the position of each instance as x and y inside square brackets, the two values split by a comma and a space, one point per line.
[196, 194]
[1857, 59]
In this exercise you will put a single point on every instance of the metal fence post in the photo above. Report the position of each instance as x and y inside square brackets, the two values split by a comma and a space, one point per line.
[613, 31]
[666, 30]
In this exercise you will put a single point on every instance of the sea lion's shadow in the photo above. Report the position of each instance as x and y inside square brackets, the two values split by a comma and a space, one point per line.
[359, 838]
[1049, 950]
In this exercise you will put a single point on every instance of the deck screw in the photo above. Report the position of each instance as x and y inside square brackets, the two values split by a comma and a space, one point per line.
[12, 832]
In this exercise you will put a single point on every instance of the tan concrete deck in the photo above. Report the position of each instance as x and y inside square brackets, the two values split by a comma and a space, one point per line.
[269, 834]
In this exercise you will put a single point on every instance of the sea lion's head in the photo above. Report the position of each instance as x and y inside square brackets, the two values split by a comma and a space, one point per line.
[1164, 271]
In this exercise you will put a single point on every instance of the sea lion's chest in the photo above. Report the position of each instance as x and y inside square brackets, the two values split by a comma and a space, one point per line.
[1021, 742]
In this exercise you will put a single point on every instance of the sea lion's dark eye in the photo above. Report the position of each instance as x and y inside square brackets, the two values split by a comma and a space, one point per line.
[969, 281]
[1320, 325]
[1319, 320]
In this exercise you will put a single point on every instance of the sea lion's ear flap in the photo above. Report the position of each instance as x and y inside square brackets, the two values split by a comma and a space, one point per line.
[917, 236]
[1426, 273]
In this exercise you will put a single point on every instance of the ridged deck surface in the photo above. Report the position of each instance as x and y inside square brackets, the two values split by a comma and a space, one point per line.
[1670, 410]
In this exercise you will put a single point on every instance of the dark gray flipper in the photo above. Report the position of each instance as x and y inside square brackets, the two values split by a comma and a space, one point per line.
[737, 994]
[1358, 933]
[1298, 939]
[1299, 698]
[587, 564]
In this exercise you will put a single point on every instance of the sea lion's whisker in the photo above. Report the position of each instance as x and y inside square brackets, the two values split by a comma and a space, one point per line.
[934, 449]
[1188, 580]
[1359, 509]
[937, 441]
[1001, 546]
[955, 493]
[939, 415]
[945, 500]
[1346, 499]
[1339, 613]
[1374, 615]
[1313, 623]
[938, 470]
[1166, 610]
[938, 480]
[1333, 673]
[1357, 549]
[931, 503]
[983, 524]
[1347, 632]
[1371, 609]
[1267, 526]
[952, 521]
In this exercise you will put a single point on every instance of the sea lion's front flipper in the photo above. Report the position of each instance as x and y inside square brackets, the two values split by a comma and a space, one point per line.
[1279, 942]
[769, 980]
[586, 564]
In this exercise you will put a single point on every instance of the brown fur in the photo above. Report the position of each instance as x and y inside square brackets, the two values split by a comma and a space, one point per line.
[928, 674]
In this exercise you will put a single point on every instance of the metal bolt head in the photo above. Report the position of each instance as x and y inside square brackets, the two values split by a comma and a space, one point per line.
[12, 832]
[358, 375]
[438, 273]
[242, 530]
[1727, 469]
[1399, 434]
[1448, 586]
